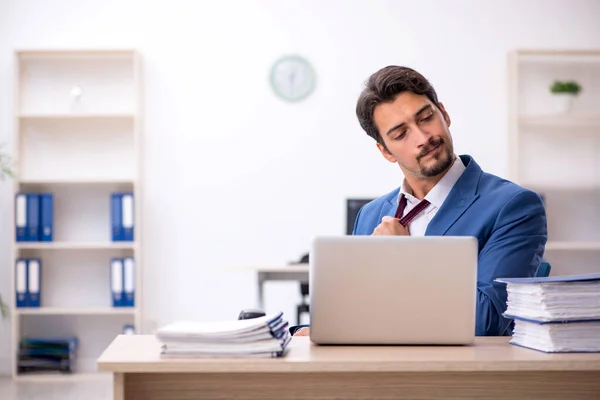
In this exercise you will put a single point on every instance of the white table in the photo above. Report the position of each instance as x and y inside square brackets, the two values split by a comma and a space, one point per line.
[292, 272]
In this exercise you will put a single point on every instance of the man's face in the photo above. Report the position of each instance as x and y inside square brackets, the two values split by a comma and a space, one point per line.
[416, 135]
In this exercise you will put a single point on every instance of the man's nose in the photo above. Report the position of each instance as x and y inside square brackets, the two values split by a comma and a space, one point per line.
[421, 136]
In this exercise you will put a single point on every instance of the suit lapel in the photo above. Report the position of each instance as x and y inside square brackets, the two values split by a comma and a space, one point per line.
[390, 206]
[460, 198]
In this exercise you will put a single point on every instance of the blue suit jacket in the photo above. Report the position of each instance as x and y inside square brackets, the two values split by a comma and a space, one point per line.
[508, 221]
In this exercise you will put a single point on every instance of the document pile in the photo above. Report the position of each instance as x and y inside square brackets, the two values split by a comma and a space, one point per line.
[47, 355]
[265, 336]
[555, 314]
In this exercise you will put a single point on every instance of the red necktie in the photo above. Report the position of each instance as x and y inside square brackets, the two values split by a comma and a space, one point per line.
[412, 213]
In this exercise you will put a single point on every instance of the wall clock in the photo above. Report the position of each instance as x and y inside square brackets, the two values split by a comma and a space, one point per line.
[293, 78]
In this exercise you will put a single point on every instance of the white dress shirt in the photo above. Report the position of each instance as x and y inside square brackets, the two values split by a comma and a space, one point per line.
[436, 197]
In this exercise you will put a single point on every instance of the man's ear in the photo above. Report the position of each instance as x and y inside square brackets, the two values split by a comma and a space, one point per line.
[386, 154]
[445, 114]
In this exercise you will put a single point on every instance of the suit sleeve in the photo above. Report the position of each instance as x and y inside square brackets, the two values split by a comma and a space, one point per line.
[355, 231]
[514, 249]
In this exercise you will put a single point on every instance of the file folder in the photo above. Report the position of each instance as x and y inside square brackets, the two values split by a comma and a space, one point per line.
[129, 282]
[128, 216]
[21, 282]
[21, 217]
[116, 281]
[34, 274]
[33, 218]
[116, 217]
[47, 216]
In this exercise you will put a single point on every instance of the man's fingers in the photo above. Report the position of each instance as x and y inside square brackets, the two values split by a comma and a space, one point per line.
[302, 332]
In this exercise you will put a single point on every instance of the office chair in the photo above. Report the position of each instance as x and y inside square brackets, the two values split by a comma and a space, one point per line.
[302, 307]
[543, 270]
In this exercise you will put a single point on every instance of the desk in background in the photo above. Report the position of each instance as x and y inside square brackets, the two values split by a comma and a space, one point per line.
[292, 272]
[489, 369]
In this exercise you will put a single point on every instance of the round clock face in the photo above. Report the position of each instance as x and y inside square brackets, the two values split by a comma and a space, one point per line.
[293, 78]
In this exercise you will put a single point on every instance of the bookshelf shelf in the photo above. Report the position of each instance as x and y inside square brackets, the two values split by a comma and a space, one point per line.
[78, 182]
[73, 377]
[573, 246]
[76, 116]
[76, 311]
[561, 186]
[76, 246]
[557, 120]
[77, 123]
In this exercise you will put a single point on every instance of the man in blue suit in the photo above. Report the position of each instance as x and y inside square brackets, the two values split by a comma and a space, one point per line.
[443, 194]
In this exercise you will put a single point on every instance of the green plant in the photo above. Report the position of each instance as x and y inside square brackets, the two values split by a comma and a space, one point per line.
[5, 166]
[5, 170]
[3, 309]
[571, 87]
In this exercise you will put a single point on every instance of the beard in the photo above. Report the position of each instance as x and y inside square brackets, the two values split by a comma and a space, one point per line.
[442, 161]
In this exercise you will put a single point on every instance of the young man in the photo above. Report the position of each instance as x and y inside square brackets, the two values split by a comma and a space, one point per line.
[443, 194]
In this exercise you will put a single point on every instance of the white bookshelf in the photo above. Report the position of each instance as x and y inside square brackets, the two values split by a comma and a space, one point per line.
[556, 153]
[76, 311]
[76, 246]
[77, 119]
[83, 376]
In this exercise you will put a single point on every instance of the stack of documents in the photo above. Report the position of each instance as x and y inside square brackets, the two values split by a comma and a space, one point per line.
[555, 314]
[266, 336]
[46, 355]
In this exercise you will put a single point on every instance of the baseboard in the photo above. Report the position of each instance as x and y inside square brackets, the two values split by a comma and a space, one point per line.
[5, 366]
[82, 365]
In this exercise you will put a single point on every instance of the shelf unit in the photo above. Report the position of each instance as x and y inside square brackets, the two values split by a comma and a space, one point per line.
[555, 153]
[76, 311]
[77, 120]
[75, 246]
[83, 376]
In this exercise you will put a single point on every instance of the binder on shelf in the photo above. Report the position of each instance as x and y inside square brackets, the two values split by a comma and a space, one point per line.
[116, 217]
[47, 216]
[116, 282]
[21, 282]
[128, 282]
[127, 216]
[34, 284]
[21, 217]
[33, 218]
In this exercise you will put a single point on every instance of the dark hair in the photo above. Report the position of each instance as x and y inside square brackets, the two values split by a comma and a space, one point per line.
[384, 86]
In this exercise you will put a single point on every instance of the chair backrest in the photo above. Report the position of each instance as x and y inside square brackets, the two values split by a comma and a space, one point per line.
[543, 270]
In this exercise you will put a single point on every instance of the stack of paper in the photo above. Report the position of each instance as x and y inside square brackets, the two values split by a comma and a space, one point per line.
[555, 314]
[266, 336]
[47, 354]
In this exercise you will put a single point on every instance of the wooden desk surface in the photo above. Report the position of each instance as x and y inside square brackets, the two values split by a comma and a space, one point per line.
[141, 353]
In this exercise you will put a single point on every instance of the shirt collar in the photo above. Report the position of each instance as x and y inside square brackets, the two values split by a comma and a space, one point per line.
[441, 190]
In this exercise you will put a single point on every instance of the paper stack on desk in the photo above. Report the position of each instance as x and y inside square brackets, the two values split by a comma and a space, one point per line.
[555, 314]
[265, 336]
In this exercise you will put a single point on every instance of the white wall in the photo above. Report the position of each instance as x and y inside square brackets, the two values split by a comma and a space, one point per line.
[233, 176]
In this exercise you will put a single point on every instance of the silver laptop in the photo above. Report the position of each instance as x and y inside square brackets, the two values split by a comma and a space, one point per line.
[393, 290]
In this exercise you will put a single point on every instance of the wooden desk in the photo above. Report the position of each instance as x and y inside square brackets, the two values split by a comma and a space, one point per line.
[491, 369]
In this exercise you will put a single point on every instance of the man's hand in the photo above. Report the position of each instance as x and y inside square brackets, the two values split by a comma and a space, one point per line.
[390, 226]
[302, 332]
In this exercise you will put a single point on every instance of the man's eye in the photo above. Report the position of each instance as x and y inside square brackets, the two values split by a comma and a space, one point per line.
[427, 118]
[400, 136]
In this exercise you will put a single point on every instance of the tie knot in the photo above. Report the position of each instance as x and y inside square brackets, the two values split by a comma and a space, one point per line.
[412, 214]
